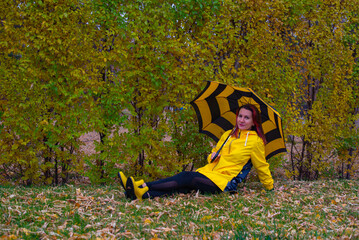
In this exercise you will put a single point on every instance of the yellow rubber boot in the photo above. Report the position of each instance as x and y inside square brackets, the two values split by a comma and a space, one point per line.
[133, 191]
[123, 180]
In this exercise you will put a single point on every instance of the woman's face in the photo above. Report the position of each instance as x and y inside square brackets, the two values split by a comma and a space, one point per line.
[244, 119]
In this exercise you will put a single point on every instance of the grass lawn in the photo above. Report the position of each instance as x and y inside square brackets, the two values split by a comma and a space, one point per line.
[295, 210]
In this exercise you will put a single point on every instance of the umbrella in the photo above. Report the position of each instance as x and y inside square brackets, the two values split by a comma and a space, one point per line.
[216, 109]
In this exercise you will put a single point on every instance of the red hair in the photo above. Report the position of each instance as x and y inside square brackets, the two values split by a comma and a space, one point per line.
[256, 121]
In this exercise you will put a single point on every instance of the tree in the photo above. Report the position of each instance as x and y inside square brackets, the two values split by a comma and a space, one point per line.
[324, 99]
[47, 76]
[127, 70]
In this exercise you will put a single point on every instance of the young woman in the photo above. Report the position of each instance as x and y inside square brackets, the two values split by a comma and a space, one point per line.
[243, 146]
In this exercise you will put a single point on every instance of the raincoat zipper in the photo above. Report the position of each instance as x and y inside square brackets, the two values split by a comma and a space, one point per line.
[245, 144]
[229, 148]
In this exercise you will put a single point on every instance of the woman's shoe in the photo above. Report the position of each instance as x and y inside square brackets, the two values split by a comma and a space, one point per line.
[133, 191]
[123, 180]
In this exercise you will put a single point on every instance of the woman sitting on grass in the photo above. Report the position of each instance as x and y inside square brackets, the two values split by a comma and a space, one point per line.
[243, 146]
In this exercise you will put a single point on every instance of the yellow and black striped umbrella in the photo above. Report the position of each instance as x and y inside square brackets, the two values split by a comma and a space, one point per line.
[216, 109]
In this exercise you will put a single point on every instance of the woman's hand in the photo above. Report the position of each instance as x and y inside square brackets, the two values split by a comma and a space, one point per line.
[213, 155]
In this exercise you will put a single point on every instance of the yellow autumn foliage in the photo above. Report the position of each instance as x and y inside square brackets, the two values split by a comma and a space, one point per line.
[127, 70]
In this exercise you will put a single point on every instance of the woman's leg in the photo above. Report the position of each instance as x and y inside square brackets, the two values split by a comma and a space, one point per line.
[183, 182]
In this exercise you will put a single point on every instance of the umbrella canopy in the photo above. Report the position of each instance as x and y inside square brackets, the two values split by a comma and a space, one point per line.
[216, 109]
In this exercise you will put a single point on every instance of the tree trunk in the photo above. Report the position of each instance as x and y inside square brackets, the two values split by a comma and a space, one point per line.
[101, 163]
[349, 164]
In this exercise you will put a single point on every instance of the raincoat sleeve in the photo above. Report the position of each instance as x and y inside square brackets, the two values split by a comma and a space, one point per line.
[261, 165]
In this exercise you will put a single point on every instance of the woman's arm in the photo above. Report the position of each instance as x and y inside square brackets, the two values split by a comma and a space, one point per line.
[261, 165]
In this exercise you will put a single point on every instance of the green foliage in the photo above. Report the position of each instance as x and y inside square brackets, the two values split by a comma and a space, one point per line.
[193, 13]
[184, 136]
[108, 13]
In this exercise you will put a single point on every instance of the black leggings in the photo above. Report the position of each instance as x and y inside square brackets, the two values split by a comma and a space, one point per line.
[183, 182]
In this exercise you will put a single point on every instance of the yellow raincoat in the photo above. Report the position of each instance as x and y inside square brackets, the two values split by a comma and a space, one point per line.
[234, 155]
